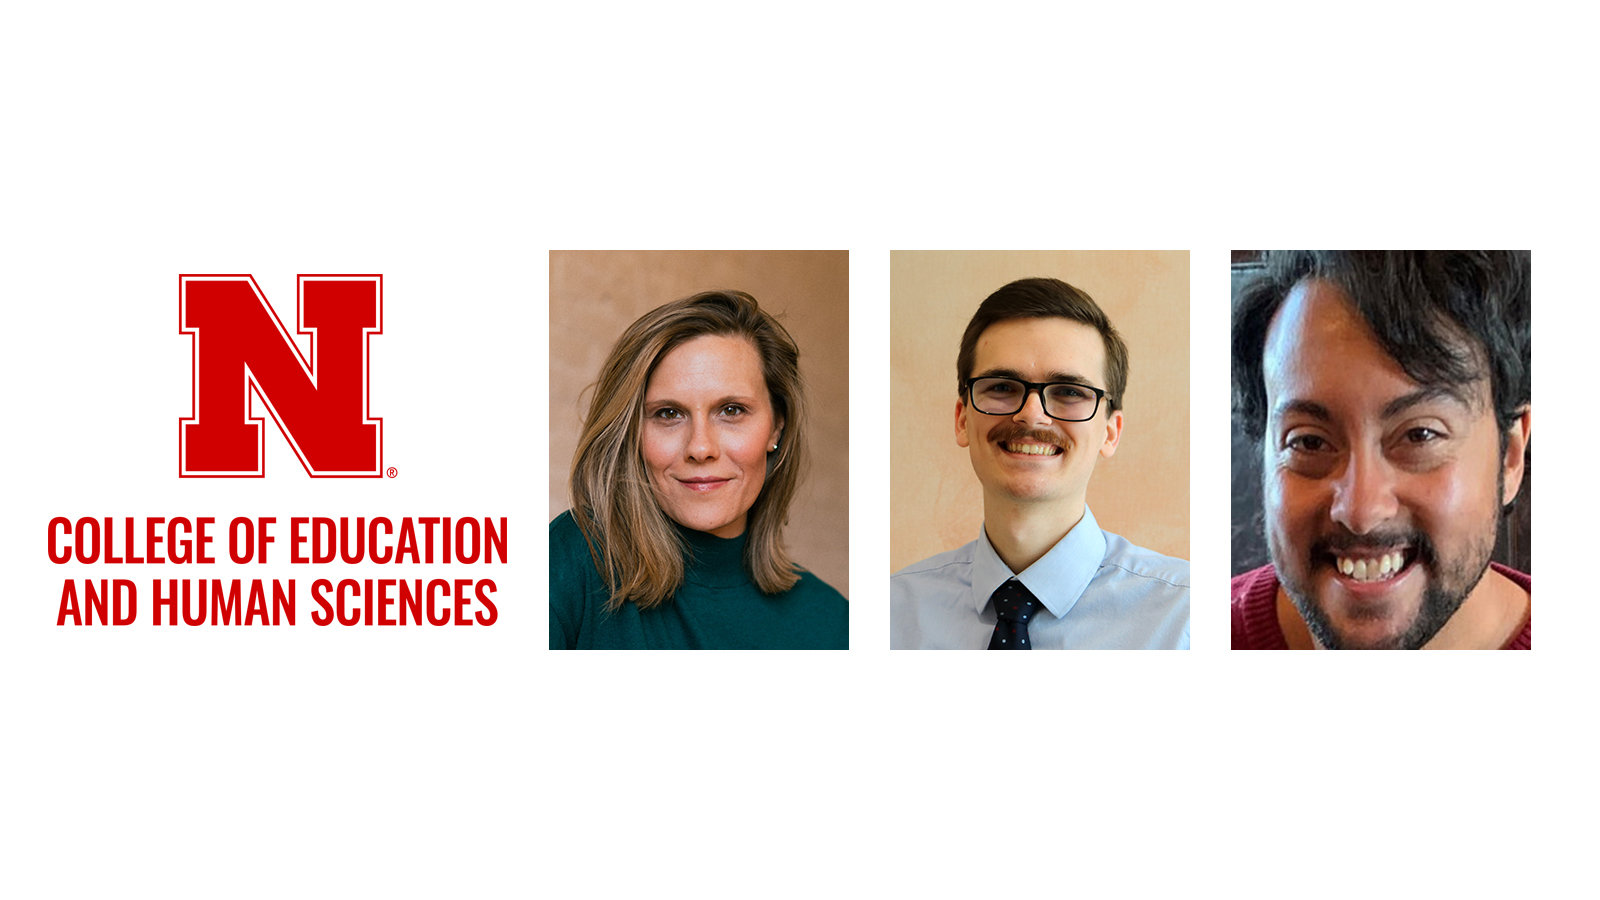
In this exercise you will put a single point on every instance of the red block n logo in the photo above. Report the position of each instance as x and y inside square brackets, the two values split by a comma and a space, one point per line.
[320, 406]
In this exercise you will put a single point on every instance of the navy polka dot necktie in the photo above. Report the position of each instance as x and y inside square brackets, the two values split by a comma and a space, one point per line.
[1014, 608]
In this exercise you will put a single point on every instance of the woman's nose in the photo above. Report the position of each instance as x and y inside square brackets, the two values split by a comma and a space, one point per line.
[702, 440]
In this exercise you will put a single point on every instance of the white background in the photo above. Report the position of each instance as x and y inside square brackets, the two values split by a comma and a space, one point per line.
[450, 149]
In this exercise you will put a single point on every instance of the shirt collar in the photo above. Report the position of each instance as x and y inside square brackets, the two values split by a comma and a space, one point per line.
[712, 561]
[1058, 578]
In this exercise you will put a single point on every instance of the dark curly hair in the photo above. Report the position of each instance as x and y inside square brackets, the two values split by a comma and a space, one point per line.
[1423, 306]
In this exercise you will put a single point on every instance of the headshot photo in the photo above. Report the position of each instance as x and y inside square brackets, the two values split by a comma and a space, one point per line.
[699, 450]
[1040, 450]
[1382, 405]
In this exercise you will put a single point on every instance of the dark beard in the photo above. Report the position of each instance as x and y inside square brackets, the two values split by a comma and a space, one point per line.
[1448, 587]
[1439, 603]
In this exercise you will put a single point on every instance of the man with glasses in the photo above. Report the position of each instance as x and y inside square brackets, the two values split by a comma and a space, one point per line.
[1041, 374]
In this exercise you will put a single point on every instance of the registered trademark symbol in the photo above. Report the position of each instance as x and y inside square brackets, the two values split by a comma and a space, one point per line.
[392, 472]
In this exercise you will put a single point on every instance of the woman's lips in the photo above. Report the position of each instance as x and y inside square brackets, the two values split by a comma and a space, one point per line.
[703, 483]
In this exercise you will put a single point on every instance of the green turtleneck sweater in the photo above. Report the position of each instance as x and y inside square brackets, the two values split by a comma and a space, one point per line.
[718, 607]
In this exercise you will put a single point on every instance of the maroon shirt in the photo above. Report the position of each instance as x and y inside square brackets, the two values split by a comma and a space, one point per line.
[1255, 611]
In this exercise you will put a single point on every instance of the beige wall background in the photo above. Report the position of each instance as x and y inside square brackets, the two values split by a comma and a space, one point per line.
[596, 294]
[1141, 493]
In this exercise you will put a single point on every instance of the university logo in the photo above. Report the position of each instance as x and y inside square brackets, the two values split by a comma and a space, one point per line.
[240, 346]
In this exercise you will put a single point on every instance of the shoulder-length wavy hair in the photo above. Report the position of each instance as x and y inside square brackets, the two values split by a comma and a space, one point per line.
[635, 546]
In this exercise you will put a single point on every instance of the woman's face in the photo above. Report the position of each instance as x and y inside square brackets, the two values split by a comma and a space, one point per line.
[708, 426]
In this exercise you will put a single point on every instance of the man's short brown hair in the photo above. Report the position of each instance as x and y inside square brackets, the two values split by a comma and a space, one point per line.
[1038, 298]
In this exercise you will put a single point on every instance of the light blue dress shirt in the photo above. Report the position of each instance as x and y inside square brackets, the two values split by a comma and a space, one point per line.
[1099, 593]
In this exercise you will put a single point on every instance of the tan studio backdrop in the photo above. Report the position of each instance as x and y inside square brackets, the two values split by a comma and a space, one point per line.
[1141, 493]
[596, 294]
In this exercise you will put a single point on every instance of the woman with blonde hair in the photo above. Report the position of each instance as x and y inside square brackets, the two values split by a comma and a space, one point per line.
[692, 449]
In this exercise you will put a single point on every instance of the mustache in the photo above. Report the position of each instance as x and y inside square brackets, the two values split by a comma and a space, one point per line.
[1343, 541]
[1016, 431]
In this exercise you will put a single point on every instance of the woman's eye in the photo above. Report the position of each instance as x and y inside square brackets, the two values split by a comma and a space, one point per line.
[668, 413]
[732, 409]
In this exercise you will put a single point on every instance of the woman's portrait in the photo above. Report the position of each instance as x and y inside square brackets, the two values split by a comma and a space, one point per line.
[699, 452]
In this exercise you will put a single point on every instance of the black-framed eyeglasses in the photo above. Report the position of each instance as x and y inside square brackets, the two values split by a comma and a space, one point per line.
[1063, 400]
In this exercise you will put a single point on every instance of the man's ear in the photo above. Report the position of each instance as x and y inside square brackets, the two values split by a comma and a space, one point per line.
[961, 423]
[1516, 459]
[1113, 434]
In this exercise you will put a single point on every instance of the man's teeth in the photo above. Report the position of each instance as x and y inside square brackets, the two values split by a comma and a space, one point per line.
[1380, 569]
[1034, 449]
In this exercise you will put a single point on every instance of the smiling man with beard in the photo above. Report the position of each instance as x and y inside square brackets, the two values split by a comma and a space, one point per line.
[1390, 396]
[1040, 378]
